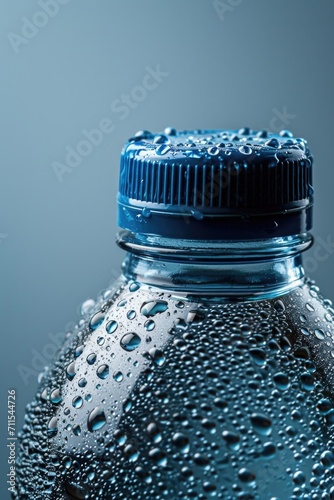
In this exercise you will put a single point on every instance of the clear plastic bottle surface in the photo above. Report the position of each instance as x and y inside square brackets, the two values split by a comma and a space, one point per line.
[206, 371]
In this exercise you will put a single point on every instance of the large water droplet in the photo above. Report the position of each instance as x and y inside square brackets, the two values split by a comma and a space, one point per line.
[299, 478]
[111, 327]
[144, 134]
[269, 450]
[131, 453]
[70, 370]
[232, 440]
[261, 424]
[153, 307]
[52, 427]
[96, 321]
[279, 306]
[55, 397]
[262, 134]
[130, 341]
[96, 419]
[246, 476]
[146, 212]
[131, 314]
[273, 143]
[170, 131]
[286, 133]
[245, 150]
[82, 382]
[77, 402]
[118, 376]
[134, 286]
[258, 356]
[213, 151]
[324, 406]
[154, 432]
[281, 381]
[91, 358]
[307, 381]
[158, 456]
[162, 149]
[181, 441]
[244, 131]
[319, 334]
[327, 458]
[149, 325]
[103, 371]
[161, 139]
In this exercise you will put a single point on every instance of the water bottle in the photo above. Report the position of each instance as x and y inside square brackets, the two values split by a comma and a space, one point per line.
[206, 370]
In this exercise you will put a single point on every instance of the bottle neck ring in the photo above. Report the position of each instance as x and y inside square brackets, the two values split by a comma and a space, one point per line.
[237, 270]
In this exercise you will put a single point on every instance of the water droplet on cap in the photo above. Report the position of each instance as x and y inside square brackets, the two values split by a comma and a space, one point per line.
[213, 151]
[286, 133]
[170, 131]
[144, 134]
[161, 139]
[244, 131]
[273, 143]
[262, 134]
[246, 150]
[197, 214]
[146, 212]
[162, 149]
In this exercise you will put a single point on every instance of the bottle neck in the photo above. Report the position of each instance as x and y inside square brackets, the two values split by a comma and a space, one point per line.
[235, 270]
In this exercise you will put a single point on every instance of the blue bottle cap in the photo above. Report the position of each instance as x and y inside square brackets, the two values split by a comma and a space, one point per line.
[215, 184]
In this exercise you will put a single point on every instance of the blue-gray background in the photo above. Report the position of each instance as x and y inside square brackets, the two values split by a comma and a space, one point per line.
[261, 63]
